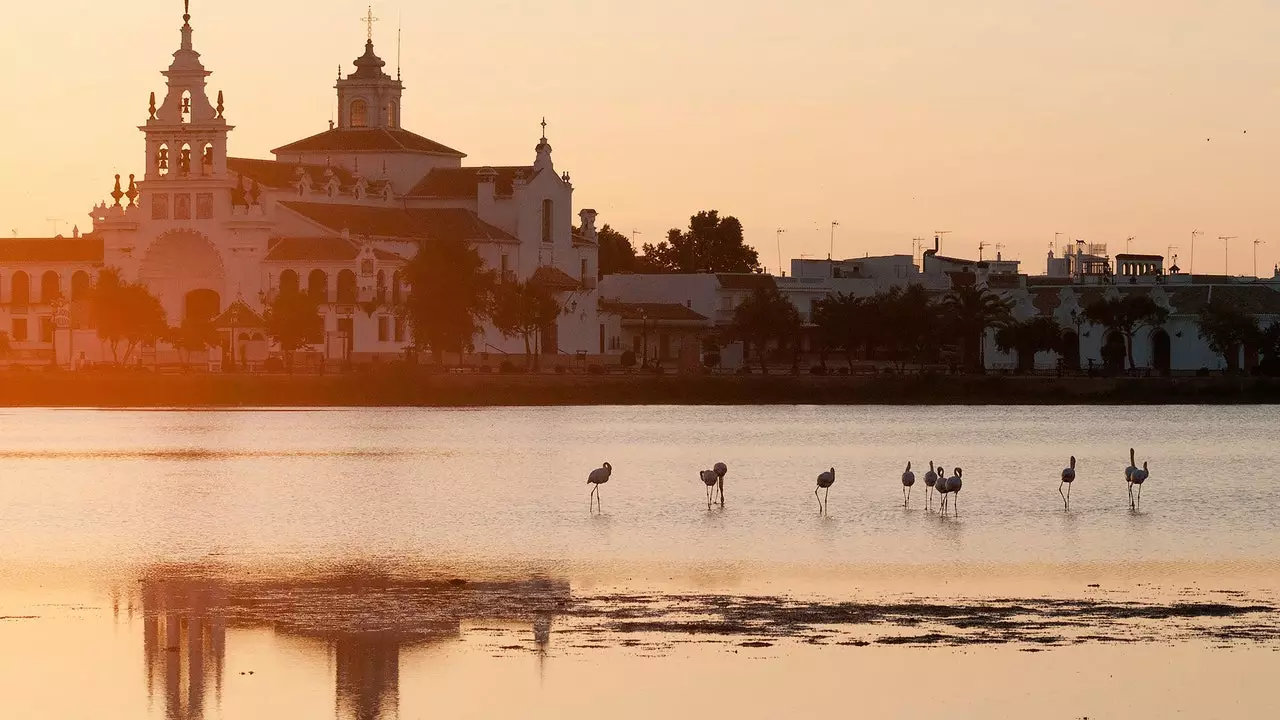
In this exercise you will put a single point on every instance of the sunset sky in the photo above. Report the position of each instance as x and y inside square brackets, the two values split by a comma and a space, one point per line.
[1003, 121]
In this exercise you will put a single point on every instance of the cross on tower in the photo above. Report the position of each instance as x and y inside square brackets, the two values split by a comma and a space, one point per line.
[369, 20]
[544, 128]
[186, 10]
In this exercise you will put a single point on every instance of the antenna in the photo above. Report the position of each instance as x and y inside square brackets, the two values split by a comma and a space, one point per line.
[917, 245]
[399, 40]
[1256, 243]
[999, 247]
[55, 222]
[1128, 243]
[1226, 258]
[832, 250]
[1173, 257]
[1194, 233]
[778, 235]
[981, 246]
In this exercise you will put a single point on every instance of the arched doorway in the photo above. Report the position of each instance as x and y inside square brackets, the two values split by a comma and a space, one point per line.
[348, 291]
[288, 282]
[318, 286]
[177, 264]
[1161, 352]
[1113, 352]
[202, 305]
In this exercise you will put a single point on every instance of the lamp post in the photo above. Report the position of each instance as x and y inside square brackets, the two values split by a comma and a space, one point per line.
[644, 334]
[1078, 320]
[60, 319]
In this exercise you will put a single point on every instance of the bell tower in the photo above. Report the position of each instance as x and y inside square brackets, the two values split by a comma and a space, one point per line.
[368, 97]
[186, 142]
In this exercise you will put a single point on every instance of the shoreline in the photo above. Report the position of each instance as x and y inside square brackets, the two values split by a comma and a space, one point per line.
[424, 388]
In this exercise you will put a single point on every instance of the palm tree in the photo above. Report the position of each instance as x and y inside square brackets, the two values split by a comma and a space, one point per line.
[972, 310]
[765, 316]
[1028, 337]
[841, 323]
[1126, 315]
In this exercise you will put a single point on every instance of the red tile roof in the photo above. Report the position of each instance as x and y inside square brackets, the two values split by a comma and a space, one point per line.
[367, 140]
[554, 278]
[272, 174]
[658, 312]
[320, 250]
[238, 315]
[399, 222]
[463, 182]
[87, 249]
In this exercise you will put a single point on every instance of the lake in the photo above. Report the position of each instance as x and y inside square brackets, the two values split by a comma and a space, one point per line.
[399, 562]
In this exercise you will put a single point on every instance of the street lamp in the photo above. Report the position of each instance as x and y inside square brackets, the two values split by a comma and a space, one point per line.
[644, 334]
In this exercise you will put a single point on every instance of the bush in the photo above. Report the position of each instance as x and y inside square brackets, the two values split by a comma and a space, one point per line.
[1202, 372]
[560, 369]
[818, 370]
[486, 369]
[711, 359]
[629, 359]
[595, 369]
[843, 371]
[506, 367]
[744, 370]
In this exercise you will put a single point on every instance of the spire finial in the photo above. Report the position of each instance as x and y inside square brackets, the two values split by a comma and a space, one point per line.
[186, 11]
[369, 20]
[544, 128]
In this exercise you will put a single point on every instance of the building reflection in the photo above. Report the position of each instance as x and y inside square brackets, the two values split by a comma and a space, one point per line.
[364, 621]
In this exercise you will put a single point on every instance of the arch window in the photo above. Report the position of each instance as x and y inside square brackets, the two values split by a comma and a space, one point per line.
[206, 158]
[348, 291]
[359, 113]
[318, 286]
[162, 160]
[393, 114]
[288, 282]
[548, 217]
[20, 289]
[184, 160]
[202, 305]
[395, 288]
[382, 287]
[50, 287]
[186, 106]
[80, 286]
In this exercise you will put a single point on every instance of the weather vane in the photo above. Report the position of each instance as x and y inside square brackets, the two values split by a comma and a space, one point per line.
[370, 20]
[186, 10]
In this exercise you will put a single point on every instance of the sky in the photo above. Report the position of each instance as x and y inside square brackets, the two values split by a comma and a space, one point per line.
[1001, 121]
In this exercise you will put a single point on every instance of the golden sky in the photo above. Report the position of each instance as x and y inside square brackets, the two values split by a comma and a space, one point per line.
[1003, 121]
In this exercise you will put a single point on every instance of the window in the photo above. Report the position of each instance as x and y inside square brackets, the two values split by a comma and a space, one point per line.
[395, 288]
[348, 291]
[46, 329]
[346, 330]
[160, 206]
[318, 286]
[399, 329]
[383, 324]
[162, 161]
[601, 338]
[20, 291]
[548, 217]
[288, 282]
[204, 206]
[182, 207]
[382, 287]
[359, 113]
[506, 271]
[50, 287]
[80, 286]
[583, 274]
[20, 329]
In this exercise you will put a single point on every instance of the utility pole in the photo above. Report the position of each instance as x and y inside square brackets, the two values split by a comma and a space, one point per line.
[1194, 233]
[832, 251]
[779, 238]
[55, 222]
[1055, 240]
[1226, 246]
[1256, 243]
[1128, 243]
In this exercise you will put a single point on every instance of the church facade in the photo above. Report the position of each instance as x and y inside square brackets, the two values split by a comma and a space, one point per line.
[337, 215]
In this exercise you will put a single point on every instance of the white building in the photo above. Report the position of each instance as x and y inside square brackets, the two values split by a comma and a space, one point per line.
[337, 214]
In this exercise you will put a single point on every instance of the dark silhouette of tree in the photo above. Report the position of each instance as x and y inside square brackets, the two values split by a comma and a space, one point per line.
[840, 320]
[1126, 315]
[972, 310]
[1028, 337]
[294, 322]
[1225, 329]
[711, 245]
[1269, 346]
[766, 316]
[450, 294]
[617, 254]
[908, 322]
[193, 335]
[525, 310]
[125, 312]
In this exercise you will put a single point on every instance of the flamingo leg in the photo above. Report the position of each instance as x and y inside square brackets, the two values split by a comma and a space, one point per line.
[720, 485]
[826, 494]
[957, 504]
[1139, 505]
[815, 494]
[1064, 497]
[1069, 496]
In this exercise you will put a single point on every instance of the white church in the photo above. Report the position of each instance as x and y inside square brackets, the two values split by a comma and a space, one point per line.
[336, 215]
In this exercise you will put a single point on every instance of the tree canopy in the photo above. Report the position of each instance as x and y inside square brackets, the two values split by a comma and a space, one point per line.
[294, 322]
[972, 310]
[1028, 337]
[766, 316]
[712, 244]
[193, 335]
[1126, 315]
[125, 312]
[450, 294]
[525, 310]
[1225, 329]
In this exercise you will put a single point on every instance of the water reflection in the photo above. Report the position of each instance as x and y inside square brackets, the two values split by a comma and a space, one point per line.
[364, 619]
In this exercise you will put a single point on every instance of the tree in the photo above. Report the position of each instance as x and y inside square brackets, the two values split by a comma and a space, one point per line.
[908, 322]
[1126, 315]
[125, 312]
[1028, 337]
[293, 320]
[972, 310]
[1269, 345]
[1225, 329]
[450, 294]
[766, 316]
[711, 245]
[617, 254]
[194, 335]
[838, 318]
[525, 310]
[6, 349]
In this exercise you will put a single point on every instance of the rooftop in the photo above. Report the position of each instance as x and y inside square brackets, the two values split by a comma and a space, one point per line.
[87, 249]
[398, 222]
[367, 140]
[659, 312]
[320, 250]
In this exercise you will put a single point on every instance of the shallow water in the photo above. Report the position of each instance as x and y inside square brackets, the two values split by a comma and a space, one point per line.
[405, 563]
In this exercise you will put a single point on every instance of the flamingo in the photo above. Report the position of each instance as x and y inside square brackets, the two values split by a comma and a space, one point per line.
[908, 479]
[721, 470]
[930, 478]
[1068, 477]
[825, 481]
[598, 477]
[709, 479]
[1128, 474]
[940, 487]
[953, 488]
[1139, 477]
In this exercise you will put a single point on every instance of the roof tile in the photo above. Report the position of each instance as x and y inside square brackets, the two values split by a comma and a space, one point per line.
[367, 140]
[399, 222]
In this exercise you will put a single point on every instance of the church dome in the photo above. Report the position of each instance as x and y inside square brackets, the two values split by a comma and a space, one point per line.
[369, 66]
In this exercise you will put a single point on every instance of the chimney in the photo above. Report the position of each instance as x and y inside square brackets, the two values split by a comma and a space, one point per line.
[486, 190]
[588, 217]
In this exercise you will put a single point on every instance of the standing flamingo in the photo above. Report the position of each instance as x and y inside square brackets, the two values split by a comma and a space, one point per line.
[721, 470]
[598, 477]
[1068, 477]
[1138, 478]
[940, 487]
[709, 479]
[825, 481]
[1128, 474]
[953, 489]
[908, 479]
[930, 478]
